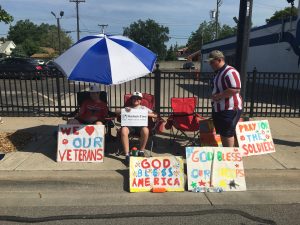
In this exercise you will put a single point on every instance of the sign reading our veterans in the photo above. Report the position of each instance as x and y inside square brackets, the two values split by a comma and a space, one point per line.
[156, 172]
[134, 117]
[80, 143]
[254, 137]
[212, 169]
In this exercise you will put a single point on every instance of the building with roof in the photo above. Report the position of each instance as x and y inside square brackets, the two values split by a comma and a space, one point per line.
[274, 47]
[6, 48]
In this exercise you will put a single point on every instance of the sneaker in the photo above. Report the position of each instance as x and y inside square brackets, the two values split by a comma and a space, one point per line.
[141, 153]
[127, 160]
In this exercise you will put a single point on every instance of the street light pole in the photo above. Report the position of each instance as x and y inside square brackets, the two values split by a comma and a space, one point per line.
[59, 49]
[58, 28]
[219, 2]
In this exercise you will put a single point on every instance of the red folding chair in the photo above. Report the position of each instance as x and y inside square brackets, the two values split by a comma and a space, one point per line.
[184, 119]
[155, 125]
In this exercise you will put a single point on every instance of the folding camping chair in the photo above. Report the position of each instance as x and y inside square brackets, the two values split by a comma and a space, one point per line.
[81, 97]
[155, 125]
[184, 119]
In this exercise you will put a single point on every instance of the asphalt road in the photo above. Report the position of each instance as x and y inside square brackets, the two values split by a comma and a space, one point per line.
[88, 198]
[150, 214]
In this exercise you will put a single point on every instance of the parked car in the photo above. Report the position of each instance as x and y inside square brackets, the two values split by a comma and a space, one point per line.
[188, 65]
[53, 69]
[40, 61]
[21, 68]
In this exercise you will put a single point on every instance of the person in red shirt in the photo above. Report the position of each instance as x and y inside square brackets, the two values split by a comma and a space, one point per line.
[92, 110]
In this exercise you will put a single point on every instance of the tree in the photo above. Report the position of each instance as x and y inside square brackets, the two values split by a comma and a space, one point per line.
[5, 17]
[171, 54]
[281, 14]
[206, 33]
[149, 34]
[31, 37]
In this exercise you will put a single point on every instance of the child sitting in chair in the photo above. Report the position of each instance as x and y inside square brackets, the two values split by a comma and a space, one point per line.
[92, 110]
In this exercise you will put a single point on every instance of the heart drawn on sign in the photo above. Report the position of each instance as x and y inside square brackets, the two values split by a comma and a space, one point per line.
[89, 129]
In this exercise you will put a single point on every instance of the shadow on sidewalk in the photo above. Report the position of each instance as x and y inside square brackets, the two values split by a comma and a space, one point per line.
[285, 142]
[44, 140]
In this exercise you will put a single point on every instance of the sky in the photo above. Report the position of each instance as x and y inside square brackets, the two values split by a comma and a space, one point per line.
[182, 17]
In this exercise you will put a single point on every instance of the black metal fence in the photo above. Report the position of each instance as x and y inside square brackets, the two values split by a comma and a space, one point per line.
[267, 94]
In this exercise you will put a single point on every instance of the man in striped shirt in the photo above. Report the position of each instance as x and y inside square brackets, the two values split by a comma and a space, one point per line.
[226, 100]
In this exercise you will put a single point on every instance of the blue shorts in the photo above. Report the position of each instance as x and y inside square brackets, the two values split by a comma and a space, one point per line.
[225, 122]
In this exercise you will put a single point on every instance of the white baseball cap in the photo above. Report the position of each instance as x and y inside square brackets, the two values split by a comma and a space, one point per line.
[137, 94]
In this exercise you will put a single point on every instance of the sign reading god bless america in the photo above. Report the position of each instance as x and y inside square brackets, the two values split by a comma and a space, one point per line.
[79, 143]
[134, 117]
[146, 174]
[254, 137]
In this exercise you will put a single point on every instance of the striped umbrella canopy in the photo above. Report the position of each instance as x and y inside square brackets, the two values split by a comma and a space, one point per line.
[106, 59]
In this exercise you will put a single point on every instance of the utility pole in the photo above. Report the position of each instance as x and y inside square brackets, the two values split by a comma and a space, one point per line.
[243, 33]
[219, 3]
[102, 27]
[77, 3]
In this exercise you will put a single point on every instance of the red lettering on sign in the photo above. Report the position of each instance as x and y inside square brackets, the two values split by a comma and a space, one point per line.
[194, 156]
[166, 163]
[75, 130]
[65, 130]
[147, 182]
[145, 164]
[99, 154]
[61, 156]
[176, 182]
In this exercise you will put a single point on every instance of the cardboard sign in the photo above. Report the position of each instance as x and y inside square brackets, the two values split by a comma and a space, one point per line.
[134, 118]
[254, 137]
[80, 143]
[156, 172]
[212, 169]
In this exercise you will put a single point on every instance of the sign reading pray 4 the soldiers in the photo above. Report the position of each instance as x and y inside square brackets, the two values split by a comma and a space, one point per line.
[156, 172]
[211, 169]
[254, 137]
[80, 143]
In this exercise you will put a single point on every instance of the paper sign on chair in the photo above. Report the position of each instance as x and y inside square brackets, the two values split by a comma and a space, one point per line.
[134, 118]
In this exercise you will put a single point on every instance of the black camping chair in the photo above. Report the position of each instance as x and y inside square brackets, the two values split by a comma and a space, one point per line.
[109, 122]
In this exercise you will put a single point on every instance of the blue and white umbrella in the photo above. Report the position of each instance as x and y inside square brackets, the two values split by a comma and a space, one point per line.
[106, 60]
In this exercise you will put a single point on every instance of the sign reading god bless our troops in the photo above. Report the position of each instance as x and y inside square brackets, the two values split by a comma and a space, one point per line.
[79, 143]
[156, 172]
[254, 137]
[211, 169]
[134, 117]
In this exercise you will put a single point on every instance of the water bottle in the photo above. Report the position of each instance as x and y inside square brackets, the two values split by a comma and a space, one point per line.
[134, 151]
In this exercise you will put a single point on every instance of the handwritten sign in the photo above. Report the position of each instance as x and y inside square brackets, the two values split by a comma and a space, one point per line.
[134, 118]
[212, 169]
[161, 172]
[255, 138]
[80, 143]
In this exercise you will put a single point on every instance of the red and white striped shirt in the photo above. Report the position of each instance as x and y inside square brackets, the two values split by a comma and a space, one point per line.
[227, 77]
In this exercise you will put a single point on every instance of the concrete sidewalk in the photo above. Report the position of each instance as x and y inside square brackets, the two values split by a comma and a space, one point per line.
[277, 171]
